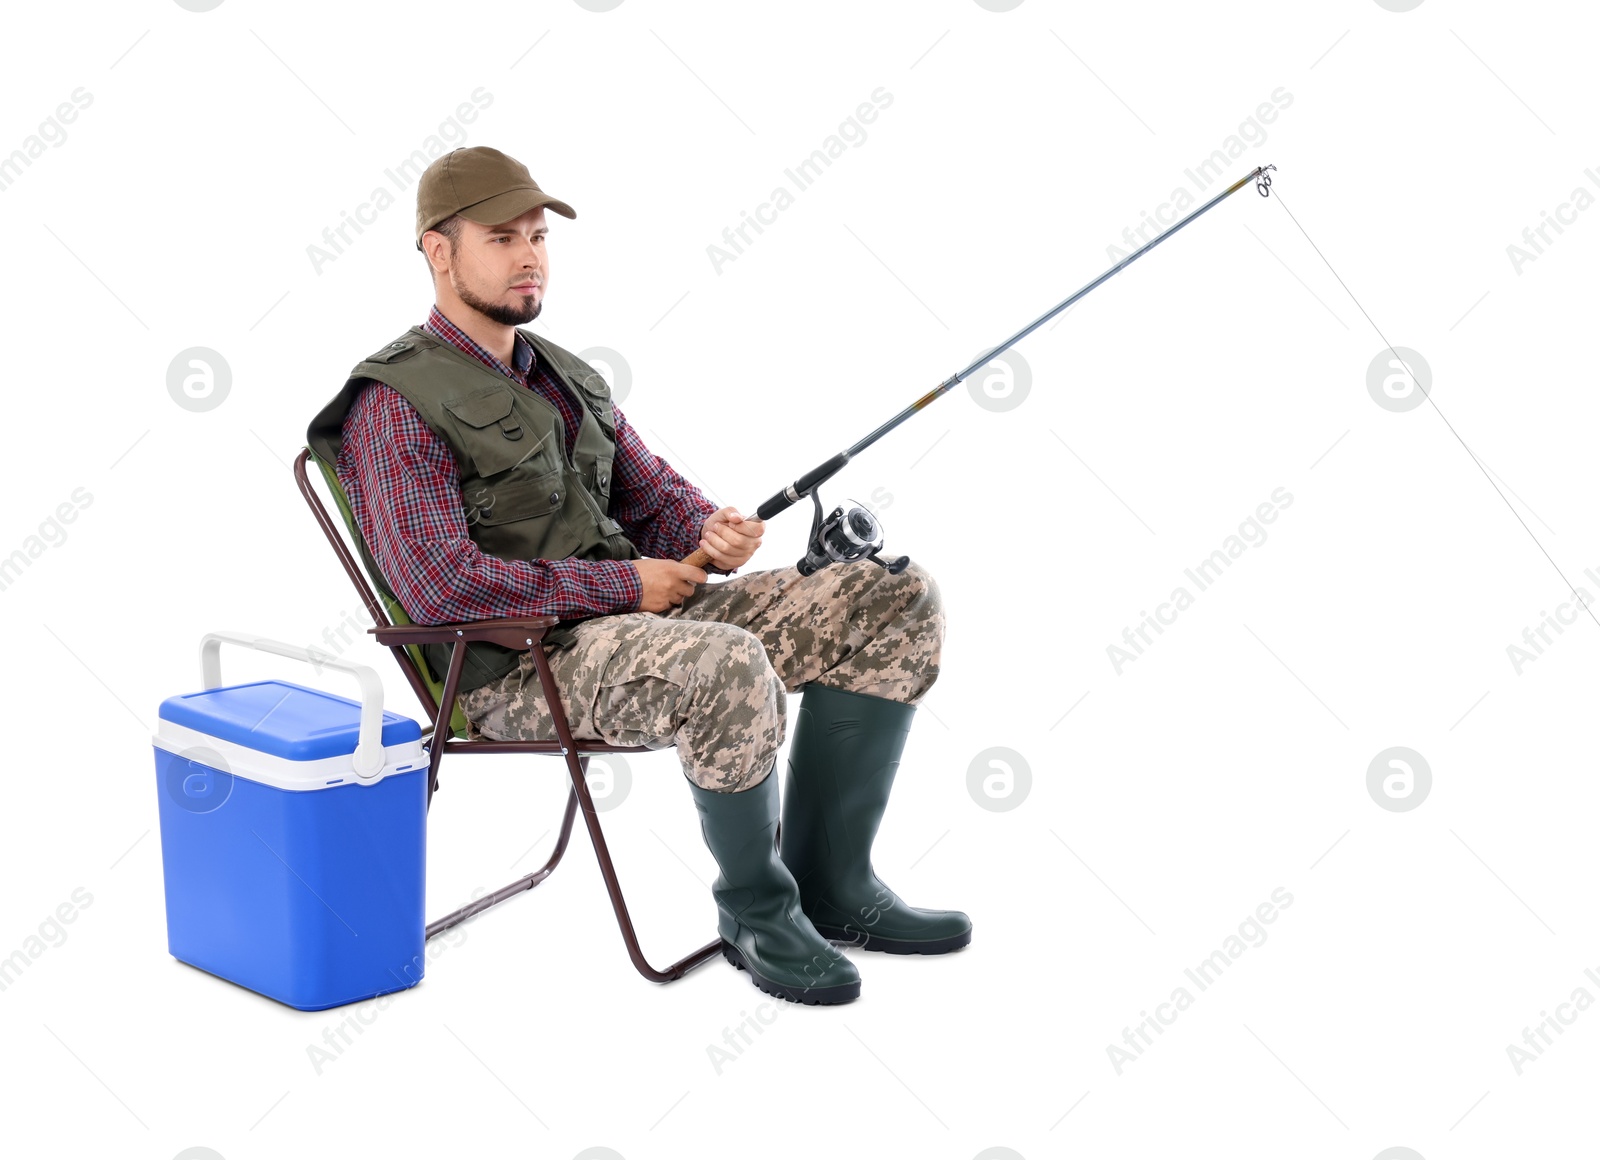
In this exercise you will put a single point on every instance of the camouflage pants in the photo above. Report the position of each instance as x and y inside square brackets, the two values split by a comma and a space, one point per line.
[709, 676]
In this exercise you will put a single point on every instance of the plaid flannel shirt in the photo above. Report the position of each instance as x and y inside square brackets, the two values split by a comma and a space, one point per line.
[405, 494]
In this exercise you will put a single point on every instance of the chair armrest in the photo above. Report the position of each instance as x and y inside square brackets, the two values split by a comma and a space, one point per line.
[516, 632]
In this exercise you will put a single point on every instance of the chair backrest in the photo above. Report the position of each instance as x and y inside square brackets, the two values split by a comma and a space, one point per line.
[381, 605]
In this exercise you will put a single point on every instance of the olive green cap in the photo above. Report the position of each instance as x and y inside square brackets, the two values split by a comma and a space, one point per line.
[481, 184]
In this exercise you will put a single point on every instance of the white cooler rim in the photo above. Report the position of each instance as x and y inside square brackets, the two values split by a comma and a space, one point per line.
[284, 772]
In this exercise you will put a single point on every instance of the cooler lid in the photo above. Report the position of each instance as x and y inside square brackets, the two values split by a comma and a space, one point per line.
[283, 719]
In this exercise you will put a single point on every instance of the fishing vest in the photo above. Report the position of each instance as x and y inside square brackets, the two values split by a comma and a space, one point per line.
[522, 498]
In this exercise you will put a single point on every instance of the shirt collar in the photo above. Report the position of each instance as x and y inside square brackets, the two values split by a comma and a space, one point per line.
[522, 353]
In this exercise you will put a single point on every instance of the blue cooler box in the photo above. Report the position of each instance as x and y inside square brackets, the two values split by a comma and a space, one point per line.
[293, 834]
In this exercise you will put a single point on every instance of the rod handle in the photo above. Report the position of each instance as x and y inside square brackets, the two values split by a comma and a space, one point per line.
[790, 495]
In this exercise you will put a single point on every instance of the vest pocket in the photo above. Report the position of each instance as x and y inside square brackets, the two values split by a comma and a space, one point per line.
[519, 519]
[494, 435]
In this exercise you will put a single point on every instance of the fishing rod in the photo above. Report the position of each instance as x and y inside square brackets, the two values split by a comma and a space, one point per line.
[854, 533]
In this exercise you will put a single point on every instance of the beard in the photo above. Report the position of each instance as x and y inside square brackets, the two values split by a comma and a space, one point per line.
[524, 312]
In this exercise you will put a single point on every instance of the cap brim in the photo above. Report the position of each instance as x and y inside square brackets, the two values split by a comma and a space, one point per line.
[503, 207]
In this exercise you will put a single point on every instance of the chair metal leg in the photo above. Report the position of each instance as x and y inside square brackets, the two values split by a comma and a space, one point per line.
[447, 704]
[526, 882]
[602, 853]
[577, 767]
[577, 796]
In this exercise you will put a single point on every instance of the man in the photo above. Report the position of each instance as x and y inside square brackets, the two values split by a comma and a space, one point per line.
[491, 475]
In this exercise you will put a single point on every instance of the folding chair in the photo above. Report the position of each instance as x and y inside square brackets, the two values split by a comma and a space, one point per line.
[448, 733]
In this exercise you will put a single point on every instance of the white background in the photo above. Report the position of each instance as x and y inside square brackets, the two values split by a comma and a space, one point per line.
[1227, 761]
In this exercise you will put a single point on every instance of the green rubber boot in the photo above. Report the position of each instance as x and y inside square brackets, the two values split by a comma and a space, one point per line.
[763, 929]
[842, 761]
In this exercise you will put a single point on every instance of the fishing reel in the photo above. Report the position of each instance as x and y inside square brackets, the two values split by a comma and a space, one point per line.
[845, 534]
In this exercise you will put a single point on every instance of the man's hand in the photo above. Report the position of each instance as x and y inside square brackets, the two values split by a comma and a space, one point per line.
[667, 583]
[730, 539]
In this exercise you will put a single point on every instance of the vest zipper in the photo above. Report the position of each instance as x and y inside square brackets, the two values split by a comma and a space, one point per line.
[585, 414]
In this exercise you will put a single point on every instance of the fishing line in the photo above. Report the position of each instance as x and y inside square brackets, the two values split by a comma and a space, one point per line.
[1428, 395]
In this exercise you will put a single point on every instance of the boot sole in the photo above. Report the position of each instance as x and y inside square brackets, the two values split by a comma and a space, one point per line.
[862, 941]
[842, 993]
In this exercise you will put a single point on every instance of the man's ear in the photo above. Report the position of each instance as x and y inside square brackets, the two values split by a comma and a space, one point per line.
[435, 243]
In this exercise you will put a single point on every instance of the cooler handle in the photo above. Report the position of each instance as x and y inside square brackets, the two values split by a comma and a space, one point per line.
[369, 755]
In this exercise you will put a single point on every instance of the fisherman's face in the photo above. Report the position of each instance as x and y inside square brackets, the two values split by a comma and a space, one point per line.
[502, 271]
